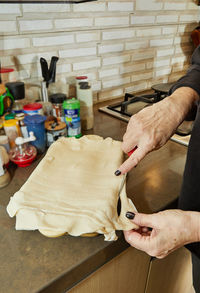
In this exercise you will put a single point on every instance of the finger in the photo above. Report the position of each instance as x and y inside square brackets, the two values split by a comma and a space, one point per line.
[137, 240]
[145, 220]
[133, 160]
[129, 142]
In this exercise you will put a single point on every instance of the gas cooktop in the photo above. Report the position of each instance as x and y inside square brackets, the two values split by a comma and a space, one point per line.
[134, 103]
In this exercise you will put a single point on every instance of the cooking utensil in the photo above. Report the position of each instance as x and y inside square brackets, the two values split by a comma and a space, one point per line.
[52, 69]
[45, 70]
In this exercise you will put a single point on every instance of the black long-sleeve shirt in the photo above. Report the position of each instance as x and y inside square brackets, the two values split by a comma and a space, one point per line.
[190, 192]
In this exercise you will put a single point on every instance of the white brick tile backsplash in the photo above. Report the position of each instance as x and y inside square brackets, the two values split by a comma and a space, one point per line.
[178, 60]
[77, 52]
[53, 40]
[87, 37]
[7, 61]
[181, 40]
[161, 72]
[108, 72]
[142, 76]
[174, 6]
[146, 54]
[73, 23]
[8, 26]
[136, 88]
[161, 42]
[6, 9]
[44, 8]
[149, 19]
[87, 64]
[63, 68]
[120, 6]
[132, 68]
[167, 19]
[116, 82]
[107, 95]
[148, 5]
[161, 63]
[89, 7]
[118, 34]
[14, 43]
[165, 52]
[96, 86]
[111, 21]
[169, 30]
[116, 59]
[33, 58]
[189, 18]
[192, 6]
[23, 74]
[136, 45]
[122, 45]
[35, 25]
[102, 49]
[148, 32]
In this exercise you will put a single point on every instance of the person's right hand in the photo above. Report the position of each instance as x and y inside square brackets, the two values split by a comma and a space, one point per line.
[150, 128]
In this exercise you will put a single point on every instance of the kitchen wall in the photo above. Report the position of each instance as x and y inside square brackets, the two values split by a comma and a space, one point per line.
[123, 46]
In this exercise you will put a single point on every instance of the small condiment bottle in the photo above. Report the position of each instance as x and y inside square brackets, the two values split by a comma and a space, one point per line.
[57, 101]
[81, 78]
[20, 118]
[12, 130]
[86, 104]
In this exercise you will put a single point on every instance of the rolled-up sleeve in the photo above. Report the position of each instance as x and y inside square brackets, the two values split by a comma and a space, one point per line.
[192, 77]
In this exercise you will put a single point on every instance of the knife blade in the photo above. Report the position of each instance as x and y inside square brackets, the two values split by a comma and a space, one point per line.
[45, 70]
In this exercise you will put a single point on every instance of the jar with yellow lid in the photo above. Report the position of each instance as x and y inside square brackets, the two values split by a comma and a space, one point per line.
[12, 130]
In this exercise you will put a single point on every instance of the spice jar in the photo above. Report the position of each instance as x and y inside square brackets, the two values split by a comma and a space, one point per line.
[57, 101]
[55, 129]
[86, 104]
[12, 130]
[79, 79]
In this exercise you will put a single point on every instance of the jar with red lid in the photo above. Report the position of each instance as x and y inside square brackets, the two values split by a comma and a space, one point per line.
[33, 109]
[81, 78]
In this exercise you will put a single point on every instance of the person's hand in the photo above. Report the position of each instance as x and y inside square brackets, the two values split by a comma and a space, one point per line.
[163, 232]
[150, 128]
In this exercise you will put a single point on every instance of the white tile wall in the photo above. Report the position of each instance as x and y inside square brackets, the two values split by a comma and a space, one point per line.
[121, 45]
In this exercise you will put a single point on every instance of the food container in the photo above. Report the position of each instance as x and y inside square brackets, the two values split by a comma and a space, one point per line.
[33, 109]
[12, 130]
[55, 130]
[72, 117]
[57, 101]
[35, 123]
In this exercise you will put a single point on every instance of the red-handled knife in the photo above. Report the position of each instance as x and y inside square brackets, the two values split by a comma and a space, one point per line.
[132, 151]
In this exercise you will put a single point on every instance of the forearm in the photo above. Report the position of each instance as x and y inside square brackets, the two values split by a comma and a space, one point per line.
[194, 222]
[181, 102]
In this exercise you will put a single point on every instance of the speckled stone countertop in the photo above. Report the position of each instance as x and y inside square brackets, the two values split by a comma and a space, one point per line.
[31, 262]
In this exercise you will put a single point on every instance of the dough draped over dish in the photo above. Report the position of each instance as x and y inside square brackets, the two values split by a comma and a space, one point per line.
[74, 190]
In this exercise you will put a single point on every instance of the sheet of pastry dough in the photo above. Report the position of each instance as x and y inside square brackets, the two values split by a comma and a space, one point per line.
[74, 190]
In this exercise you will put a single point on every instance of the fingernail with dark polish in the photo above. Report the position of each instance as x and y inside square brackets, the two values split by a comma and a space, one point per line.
[117, 173]
[130, 215]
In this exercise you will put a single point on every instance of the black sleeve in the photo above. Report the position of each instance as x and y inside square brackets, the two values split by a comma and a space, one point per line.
[192, 77]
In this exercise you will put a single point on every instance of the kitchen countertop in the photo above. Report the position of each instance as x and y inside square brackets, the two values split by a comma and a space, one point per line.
[31, 262]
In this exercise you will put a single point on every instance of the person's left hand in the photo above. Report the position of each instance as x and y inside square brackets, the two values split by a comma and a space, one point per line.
[163, 232]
